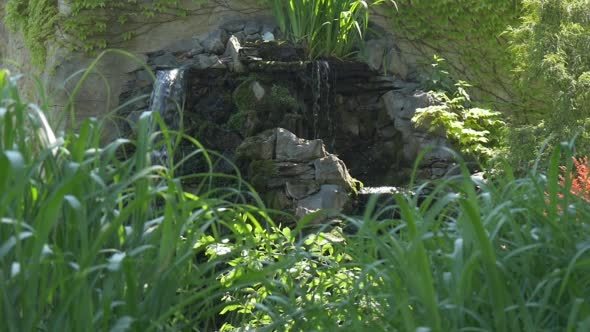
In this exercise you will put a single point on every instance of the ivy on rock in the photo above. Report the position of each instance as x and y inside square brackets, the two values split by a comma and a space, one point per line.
[88, 25]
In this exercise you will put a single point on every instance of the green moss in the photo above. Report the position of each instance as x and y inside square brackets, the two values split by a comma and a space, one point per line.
[356, 187]
[237, 120]
[260, 172]
[35, 19]
[90, 24]
[281, 97]
[266, 112]
[244, 97]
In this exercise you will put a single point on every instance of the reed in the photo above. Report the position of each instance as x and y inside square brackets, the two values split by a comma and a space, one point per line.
[327, 27]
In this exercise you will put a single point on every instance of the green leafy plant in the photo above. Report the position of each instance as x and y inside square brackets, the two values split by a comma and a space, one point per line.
[87, 25]
[312, 271]
[326, 27]
[550, 49]
[477, 132]
[504, 256]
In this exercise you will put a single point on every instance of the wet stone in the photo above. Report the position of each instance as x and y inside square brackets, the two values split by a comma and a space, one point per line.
[294, 169]
[252, 28]
[233, 26]
[301, 189]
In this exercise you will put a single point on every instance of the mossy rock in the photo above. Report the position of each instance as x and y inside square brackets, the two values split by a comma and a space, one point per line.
[244, 96]
[254, 95]
[261, 172]
[281, 96]
[237, 120]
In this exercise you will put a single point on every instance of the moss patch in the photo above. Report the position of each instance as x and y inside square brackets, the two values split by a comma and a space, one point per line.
[276, 99]
[260, 172]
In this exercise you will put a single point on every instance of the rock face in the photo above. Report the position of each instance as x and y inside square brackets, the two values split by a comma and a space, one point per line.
[295, 174]
[401, 107]
[362, 111]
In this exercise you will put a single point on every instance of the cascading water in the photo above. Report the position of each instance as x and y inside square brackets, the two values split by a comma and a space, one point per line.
[167, 99]
[168, 95]
[321, 89]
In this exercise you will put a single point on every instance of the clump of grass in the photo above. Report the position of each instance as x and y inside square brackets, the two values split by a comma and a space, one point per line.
[327, 27]
[92, 241]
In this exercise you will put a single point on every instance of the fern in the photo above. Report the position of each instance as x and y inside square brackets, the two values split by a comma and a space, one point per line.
[476, 132]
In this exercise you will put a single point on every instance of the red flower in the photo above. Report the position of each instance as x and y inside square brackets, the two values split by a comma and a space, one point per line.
[580, 178]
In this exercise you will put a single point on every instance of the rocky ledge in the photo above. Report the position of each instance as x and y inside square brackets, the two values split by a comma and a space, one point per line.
[297, 175]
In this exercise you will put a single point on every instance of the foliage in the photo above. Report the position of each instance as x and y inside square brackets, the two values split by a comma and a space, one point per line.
[326, 27]
[551, 52]
[95, 237]
[310, 271]
[36, 19]
[505, 259]
[470, 35]
[477, 132]
[87, 25]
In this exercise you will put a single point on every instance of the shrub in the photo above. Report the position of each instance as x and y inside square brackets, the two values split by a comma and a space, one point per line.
[506, 258]
[477, 132]
[551, 53]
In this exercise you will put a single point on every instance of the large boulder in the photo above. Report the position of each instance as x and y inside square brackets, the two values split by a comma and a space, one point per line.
[215, 41]
[232, 52]
[330, 197]
[401, 107]
[297, 174]
[291, 148]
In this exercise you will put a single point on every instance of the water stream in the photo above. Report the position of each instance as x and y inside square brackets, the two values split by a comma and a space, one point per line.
[167, 99]
[321, 89]
[168, 96]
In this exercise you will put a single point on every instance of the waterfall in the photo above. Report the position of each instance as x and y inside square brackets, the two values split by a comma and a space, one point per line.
[168, 96]
[167, 99]
[321, 88]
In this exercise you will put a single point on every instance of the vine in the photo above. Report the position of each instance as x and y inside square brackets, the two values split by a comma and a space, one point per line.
[36, 20]
[90, 25]
[470, 35]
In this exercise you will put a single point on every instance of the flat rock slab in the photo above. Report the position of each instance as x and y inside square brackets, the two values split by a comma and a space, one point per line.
[291, 148]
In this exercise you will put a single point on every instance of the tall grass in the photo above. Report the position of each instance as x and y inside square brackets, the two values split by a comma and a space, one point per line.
[509, 255]
[92, 240]
[95, 237]
[327, 27]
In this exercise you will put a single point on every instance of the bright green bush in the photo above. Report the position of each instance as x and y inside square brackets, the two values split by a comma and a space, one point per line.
[477, 132]
[551, 52]
[512, 255]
